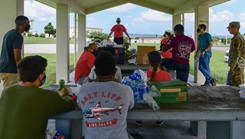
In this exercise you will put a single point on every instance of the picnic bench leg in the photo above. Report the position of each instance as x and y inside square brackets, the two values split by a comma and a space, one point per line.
[237, 129]
[198, 128]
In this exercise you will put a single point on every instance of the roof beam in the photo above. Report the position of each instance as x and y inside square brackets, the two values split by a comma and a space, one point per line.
[188, 5]
[153, 6]
[105, 6]
[73, 4]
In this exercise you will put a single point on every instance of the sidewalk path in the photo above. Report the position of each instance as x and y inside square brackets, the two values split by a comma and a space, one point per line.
[43, 48]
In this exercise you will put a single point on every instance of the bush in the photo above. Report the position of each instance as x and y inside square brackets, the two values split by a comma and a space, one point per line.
[42, 35]
[30, 35]
[36, 35]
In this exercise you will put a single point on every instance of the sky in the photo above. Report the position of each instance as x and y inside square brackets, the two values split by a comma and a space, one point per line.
[141, 20]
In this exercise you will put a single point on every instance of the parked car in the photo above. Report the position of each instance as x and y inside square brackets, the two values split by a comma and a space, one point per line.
[226, 56]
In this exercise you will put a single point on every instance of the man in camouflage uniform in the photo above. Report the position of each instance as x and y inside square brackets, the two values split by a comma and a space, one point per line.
[236, 55]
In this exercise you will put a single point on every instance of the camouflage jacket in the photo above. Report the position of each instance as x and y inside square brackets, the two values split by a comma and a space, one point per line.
[237, 52]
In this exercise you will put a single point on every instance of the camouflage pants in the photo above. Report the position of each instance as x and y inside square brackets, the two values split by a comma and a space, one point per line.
[237, 77]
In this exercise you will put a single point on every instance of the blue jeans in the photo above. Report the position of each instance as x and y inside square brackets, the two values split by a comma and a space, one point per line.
[182, 70]
[204, 66]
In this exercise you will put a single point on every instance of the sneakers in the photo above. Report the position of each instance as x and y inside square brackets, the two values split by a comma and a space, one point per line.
[206, 84]
[213, 82]
[138, 122]
[159, 123]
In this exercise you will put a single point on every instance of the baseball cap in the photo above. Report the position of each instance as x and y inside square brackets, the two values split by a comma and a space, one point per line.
[234, 24]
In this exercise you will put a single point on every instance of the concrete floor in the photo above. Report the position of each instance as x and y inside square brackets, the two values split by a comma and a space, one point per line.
[168, 130]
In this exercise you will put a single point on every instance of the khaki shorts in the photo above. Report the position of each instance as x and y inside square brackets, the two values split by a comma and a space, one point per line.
[9, 79]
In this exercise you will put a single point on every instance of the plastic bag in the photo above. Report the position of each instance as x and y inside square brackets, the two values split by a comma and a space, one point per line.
[154, 91]
[137, 83]
[150, 101]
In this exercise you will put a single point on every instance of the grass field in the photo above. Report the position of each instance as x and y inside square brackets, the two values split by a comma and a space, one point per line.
[51, 68]
[39, 40]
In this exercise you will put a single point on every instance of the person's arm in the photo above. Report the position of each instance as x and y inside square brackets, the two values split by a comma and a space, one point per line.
[197, 51]
[208, 48]
[127, 35]
[165, 48]
[109, 35]
[131, 105]
[91, 75]
[119, 75]
[234, 54]
[60, 102]
[17, 56]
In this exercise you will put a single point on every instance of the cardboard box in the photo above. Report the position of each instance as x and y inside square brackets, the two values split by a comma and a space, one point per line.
[142, 51]
[175, 91]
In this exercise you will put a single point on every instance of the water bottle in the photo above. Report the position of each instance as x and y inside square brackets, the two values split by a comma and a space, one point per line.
[61, 84]
[151, 102]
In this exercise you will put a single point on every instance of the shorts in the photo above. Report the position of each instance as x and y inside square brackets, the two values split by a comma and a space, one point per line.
[9, 79]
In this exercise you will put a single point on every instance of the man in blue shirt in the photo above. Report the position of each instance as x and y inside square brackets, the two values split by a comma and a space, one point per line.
[11, 51]
[204, 46]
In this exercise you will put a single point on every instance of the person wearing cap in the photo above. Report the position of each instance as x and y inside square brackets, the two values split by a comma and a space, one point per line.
[236, 60]
[118, 30]
[85, 64]
[204, 53]
[11, 51]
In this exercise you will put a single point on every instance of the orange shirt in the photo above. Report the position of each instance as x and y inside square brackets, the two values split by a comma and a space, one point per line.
[84, 65]
[159, 76]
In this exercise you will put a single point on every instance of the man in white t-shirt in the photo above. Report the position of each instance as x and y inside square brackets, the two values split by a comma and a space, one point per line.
[105, 103]
[118, 74]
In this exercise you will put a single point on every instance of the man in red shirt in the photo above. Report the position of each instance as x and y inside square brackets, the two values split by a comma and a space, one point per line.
[84, 64]
[118, 30]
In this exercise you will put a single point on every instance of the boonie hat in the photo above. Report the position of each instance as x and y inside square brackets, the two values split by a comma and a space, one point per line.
[234, 24]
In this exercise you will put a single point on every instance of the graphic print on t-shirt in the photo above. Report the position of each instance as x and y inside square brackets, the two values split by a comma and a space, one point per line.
[183, 50]
[97, 111]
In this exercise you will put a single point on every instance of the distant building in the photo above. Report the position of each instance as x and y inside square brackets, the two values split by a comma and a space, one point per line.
[88, 31]
[151, 40]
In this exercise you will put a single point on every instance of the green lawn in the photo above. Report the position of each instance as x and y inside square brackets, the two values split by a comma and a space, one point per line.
[51, 68]
[39, 40]
[218, 67]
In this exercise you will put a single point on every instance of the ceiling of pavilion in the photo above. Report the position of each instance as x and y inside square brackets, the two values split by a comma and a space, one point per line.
[167, 6]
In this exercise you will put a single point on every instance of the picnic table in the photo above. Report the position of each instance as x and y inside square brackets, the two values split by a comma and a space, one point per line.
[220, 107]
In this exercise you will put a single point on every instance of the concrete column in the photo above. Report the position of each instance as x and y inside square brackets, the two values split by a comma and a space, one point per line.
[176, 20]
[62, 42]
[183, 19]
[81, 34]
[13, 8]
[201, 16]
